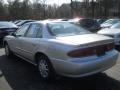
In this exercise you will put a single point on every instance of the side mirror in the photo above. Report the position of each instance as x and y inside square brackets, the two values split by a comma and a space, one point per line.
[13, 34]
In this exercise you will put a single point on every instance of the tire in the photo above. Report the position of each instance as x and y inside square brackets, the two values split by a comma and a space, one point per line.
[8, 52]
[47, 73]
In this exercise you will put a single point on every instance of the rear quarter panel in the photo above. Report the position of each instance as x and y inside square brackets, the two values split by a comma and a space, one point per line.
[53, 49]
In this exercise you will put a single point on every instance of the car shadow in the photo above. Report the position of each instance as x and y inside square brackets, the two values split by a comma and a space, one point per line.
[99, 81]
[1, 45]
[23, 76]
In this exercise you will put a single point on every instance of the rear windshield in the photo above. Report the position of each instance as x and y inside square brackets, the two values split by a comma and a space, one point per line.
[66, 29]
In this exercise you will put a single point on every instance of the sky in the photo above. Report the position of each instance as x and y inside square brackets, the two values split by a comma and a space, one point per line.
[59, 2]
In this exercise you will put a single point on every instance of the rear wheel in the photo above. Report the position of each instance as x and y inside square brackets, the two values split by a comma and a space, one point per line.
[8, 52]
[45, 68]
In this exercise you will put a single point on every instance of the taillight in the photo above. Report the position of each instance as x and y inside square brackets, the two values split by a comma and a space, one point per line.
[82, 52]
[110, 46]
[91, 50]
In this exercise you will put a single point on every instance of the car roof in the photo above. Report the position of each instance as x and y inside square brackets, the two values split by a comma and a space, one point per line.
[24, 21]
[48, 21]
[78, 19]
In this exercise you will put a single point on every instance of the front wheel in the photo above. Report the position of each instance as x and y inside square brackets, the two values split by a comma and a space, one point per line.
[8, 52]
[46, 70]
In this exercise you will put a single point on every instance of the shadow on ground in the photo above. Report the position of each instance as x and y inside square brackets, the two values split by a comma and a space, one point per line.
[1, 44]
[23, 76]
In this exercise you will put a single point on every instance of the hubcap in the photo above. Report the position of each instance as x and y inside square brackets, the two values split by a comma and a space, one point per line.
[43, 68]
[6, 50]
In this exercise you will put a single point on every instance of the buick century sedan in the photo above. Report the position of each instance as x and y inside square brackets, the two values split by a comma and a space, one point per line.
[61, 48]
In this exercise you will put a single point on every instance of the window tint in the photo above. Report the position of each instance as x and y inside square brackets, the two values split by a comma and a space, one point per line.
[22, 30]
[35, 31]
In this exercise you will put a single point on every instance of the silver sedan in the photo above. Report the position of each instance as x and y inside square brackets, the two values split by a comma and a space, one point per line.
[61, 48]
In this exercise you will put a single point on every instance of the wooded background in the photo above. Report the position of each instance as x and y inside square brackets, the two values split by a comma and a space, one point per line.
[38, 9]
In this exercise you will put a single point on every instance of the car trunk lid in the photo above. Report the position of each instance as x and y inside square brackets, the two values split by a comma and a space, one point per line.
[86, 40]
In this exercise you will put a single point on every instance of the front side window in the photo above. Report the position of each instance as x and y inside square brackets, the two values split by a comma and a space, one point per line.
[22, 30]
[65, 29]
[35, 31]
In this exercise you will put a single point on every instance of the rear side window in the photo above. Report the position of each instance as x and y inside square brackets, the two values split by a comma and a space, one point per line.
[35, 31]
[39, 33]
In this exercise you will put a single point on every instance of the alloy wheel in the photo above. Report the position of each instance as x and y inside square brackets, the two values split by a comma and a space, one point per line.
[43, 68]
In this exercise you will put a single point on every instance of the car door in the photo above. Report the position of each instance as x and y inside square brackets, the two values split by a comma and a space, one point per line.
[16, 41]
[31, 40]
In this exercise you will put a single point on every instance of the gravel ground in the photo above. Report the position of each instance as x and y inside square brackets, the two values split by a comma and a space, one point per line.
[24, 76]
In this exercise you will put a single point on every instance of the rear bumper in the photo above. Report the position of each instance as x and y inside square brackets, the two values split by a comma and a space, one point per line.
[81, 68]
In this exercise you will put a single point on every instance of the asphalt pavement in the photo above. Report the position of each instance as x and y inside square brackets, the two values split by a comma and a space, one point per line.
[21, 75]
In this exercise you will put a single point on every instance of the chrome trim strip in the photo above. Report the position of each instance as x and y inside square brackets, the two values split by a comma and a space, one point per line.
[23, 50]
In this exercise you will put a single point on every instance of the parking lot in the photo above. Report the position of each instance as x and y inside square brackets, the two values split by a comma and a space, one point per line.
[23, 76]
[71, 37]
